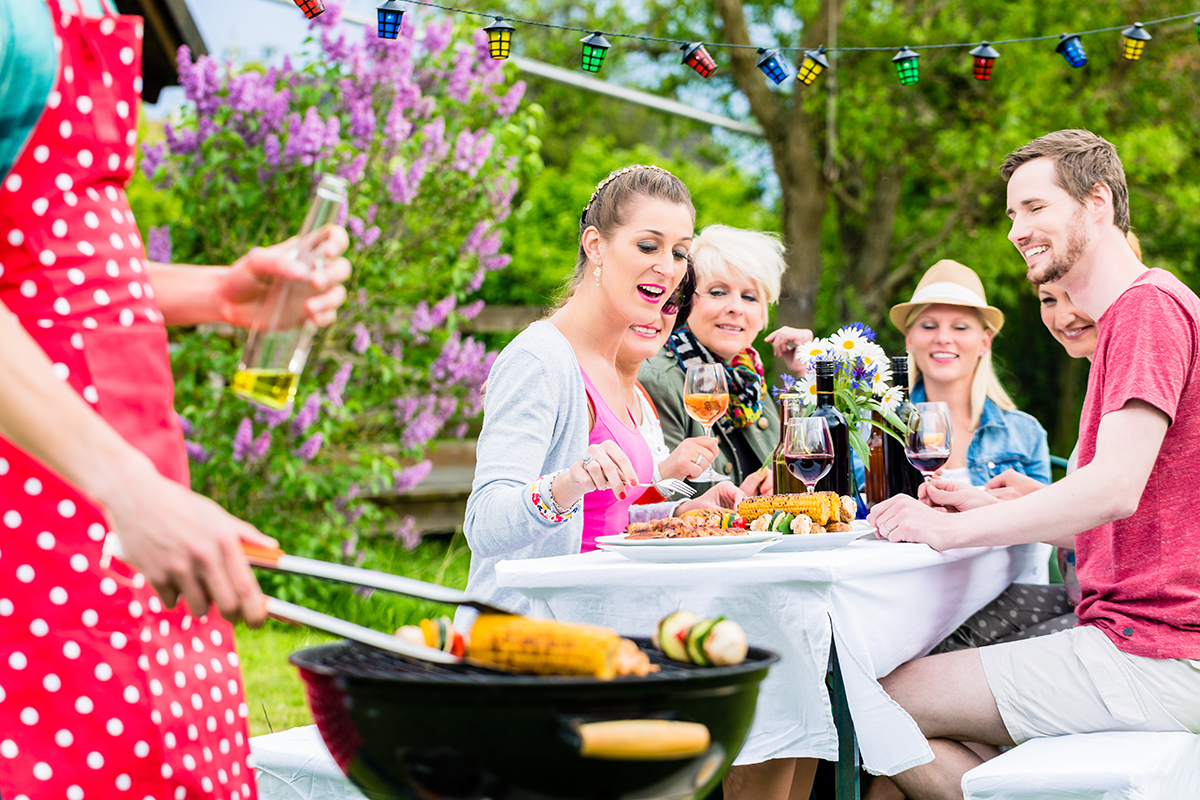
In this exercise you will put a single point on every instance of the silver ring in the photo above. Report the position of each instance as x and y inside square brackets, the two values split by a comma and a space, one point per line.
[699, 461]
[586, 459]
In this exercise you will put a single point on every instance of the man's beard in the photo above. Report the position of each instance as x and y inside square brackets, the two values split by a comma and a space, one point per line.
[1060, 265]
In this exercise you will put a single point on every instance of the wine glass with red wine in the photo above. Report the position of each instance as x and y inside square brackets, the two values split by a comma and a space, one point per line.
[706, 399]
[927, 441]
[808, 449]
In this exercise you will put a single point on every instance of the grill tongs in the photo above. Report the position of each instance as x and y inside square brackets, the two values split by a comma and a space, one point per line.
[278, 560]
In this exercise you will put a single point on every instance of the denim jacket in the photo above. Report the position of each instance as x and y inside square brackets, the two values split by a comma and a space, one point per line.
[1003, 440]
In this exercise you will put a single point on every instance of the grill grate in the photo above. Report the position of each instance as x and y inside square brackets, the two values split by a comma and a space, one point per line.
[355, 660]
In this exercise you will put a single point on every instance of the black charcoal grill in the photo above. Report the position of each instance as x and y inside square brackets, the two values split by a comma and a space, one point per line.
[401, 728]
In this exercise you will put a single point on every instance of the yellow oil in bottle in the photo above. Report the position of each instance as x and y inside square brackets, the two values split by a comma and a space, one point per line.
[270, 387]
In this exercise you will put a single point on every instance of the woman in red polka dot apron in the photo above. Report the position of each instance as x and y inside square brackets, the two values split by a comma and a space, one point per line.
[104, 693]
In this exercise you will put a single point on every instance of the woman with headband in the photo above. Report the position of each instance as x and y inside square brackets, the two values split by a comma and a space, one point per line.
[560, 459]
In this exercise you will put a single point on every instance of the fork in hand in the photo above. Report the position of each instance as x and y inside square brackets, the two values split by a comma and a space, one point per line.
[669, 486]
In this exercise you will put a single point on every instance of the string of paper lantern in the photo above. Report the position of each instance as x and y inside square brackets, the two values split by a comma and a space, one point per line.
[771, 61]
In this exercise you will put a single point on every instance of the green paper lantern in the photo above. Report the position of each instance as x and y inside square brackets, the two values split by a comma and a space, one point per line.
[906, 66]
[595, 48]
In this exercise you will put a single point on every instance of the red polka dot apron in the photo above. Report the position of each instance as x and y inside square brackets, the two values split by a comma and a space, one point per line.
[103, 692]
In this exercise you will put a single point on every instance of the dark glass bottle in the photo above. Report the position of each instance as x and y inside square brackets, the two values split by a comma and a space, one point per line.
[902, 477]
[841, 477]
[790, 405]
[876, 475]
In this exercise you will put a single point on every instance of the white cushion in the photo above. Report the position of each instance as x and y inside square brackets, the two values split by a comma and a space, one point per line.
[1092, 766]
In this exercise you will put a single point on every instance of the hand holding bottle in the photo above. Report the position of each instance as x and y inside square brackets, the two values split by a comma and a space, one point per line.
[243, 286]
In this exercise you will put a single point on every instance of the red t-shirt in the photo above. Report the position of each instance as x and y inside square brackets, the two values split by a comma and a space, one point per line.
[1140, 577]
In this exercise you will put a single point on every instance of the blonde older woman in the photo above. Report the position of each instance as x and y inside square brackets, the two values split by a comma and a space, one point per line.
[738, 276]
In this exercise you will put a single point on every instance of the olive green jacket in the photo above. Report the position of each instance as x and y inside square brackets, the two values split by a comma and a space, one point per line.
[663, 379]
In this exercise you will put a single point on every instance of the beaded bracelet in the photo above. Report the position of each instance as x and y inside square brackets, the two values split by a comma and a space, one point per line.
[551, 511]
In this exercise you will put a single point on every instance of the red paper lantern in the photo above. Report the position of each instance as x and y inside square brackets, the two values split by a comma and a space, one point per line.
[696, 56]
[985, 56]
[312, 8]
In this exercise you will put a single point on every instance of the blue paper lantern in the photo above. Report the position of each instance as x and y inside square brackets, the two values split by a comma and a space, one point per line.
[390, 14]
[771, 65]
[1072, 50]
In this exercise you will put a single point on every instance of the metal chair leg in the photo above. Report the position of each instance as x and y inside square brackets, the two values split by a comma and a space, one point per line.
[846, 775]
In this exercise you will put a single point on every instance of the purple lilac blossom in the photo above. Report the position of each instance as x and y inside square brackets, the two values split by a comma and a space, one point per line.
[350, 546]
[159, 244]
[311, 446]
[272, 416]
[335, 388]
[438, 34]
[272, 150]
[353, 171]
[261, 445]
[370, 236]
[362, 339]
[243, 440]
[433, 140]
[356, 226]
[195, 451]
[471, 310]
[404, 184]
[405, 479]
[506, 105]
[397, 351]
[308, 414]
[185, 424]
[153, 155]
[461, 430]
[407, 533]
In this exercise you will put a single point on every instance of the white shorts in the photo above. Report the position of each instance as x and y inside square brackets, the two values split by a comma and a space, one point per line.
[1077, 681]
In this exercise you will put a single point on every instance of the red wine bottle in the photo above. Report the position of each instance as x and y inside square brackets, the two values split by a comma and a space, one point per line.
[841, 477]
[902, 477]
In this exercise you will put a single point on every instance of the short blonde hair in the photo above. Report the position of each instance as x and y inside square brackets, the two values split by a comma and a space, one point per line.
[751, 254]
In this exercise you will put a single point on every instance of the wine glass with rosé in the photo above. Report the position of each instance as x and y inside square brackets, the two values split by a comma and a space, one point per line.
[706, 399]
[927, 441]
[808, 449]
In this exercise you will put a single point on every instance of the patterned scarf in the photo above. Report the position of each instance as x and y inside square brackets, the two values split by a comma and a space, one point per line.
[744, 375]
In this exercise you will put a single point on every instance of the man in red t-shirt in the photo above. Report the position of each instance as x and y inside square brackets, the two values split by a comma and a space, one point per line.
[1133, 663]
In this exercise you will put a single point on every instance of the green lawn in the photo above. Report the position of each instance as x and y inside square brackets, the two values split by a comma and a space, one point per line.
[274, 692]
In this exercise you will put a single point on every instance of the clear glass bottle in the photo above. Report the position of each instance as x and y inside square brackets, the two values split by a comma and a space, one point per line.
[782, 480]
[276, 349]
[841, 478]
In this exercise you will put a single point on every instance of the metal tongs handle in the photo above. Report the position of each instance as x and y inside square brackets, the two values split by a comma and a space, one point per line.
[299, 615]
[276, 559]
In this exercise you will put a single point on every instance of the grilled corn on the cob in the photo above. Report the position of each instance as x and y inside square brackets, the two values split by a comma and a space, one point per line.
[821, 507]
[543, 647]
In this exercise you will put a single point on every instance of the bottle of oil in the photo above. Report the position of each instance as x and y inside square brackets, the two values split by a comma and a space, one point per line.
[276, 348]
[782, 480]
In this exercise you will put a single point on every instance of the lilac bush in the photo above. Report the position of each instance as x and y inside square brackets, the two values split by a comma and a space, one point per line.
[431, 136]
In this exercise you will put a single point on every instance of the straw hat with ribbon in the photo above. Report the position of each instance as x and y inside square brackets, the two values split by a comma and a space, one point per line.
[949, 283]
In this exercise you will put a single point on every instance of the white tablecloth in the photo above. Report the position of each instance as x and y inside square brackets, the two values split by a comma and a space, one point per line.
[295, 765]
[884, 604]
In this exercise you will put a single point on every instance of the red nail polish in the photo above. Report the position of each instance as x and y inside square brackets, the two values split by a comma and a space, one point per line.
[622, 495]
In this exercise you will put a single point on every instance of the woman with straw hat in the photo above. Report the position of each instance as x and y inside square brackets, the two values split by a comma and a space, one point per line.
[949, 328]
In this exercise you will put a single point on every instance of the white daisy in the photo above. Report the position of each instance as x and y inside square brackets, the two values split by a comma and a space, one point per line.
[806, 387]
[848, 343]
[891, 399]
[816, 349]
[873, 355]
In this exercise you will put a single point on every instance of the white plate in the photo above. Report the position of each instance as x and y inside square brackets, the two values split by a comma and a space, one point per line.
[703, 541]
[685, 555]
[824, 541]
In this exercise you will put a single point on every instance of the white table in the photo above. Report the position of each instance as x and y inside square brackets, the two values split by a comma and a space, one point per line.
[882, 603]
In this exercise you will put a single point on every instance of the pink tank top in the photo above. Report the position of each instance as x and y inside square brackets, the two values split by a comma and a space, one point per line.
[603, 512]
